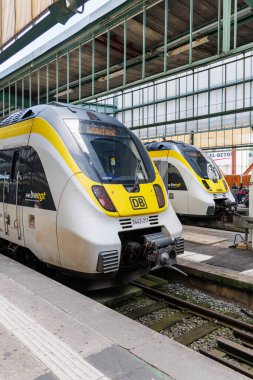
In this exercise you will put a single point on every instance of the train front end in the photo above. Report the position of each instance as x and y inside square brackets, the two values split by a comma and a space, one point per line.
[124, 227]
[214, 191]
[196, 186]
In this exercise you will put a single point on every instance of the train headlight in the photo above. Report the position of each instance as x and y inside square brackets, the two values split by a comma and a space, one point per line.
[103, 198]
[159, 196]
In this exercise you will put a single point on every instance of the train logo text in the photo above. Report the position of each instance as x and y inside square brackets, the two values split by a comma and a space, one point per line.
[138, 203]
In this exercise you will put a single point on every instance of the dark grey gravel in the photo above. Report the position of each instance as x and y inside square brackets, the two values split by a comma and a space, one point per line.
[202, 298]
[156, 316]
[183, 327]
[136, 303]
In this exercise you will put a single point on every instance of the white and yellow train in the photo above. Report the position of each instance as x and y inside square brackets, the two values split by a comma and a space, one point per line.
[196, 186]
[79, 191]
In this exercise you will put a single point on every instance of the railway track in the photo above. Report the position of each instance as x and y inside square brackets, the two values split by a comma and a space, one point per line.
[235, 352]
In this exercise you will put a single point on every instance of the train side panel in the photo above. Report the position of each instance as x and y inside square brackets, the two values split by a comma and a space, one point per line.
[41, 217]
[12, 139]
[199, 200]
[193, 201]
[178, 189]
[83, 229]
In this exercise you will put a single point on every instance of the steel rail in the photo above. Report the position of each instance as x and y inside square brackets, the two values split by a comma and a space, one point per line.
[227, 363]
[196, 309]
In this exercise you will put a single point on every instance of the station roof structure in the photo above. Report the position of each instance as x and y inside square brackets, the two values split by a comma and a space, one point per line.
[23, 21]
[126, 43]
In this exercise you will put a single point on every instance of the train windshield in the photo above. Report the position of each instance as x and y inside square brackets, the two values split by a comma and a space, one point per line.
[201, 163]
[111, 152]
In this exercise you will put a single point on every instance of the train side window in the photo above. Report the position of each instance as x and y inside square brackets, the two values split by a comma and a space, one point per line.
[5, 161]
[14, 166]
[5, 167]
[175, 179]
[14, 183]
[36, 190]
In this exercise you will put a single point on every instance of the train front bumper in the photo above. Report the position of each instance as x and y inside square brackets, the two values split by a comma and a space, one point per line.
[158, 251]
[222, 203]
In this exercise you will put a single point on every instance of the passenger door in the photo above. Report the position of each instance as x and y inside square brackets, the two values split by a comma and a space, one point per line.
[12, 198]
[162, 167]
[177, 190]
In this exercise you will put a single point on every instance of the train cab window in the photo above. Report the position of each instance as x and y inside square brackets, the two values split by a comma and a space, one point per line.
[112, 152]
[175, 180]
[116, 160]
[201, 163]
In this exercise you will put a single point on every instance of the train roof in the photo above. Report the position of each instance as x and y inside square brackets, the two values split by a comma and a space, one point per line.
[165, 145]
[59, 108]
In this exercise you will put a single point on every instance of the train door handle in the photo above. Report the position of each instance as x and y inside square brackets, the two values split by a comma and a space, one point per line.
[6, 188]
[7, 219]
[15, 223]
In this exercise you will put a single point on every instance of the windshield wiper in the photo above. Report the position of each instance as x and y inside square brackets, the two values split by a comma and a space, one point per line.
[93, 166]
[136, 179]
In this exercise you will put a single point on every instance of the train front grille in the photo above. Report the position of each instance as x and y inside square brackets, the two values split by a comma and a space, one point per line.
[180, 245]
[153, 219]
[108, 261]
[127, 223]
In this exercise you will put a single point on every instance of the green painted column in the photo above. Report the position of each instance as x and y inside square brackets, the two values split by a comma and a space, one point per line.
[226, 25]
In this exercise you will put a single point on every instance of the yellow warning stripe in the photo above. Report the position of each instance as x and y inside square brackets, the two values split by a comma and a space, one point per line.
[43, 128]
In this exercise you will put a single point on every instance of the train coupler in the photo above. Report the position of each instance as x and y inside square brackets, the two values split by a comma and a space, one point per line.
[161, 250]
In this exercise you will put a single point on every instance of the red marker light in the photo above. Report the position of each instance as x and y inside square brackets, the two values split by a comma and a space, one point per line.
[159, 196]
[103, 198]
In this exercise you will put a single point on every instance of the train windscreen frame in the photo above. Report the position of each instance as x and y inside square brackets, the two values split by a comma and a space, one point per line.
[113, 153]
[201, 163]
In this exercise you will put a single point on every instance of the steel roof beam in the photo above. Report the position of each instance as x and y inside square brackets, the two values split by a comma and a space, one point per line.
[154, 53]
[83, 36]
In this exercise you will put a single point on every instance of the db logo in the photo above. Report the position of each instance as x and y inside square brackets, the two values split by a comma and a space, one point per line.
[138, 203]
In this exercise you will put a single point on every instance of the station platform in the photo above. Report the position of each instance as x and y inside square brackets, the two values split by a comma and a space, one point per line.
[209, 254]
[48, 331]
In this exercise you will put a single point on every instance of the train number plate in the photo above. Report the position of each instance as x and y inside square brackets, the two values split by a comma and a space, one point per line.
[219, 195]
[140, 220]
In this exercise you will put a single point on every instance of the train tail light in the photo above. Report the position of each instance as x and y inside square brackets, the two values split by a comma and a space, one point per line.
[159, 196]
[103, 198]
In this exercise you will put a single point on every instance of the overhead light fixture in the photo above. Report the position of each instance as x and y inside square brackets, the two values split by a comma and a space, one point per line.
[73, 5]
[62, 10]
[65, 92]
[183, 48]
[110, 76]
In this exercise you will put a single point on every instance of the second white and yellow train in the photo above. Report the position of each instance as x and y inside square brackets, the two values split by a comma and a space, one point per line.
[196, 187]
